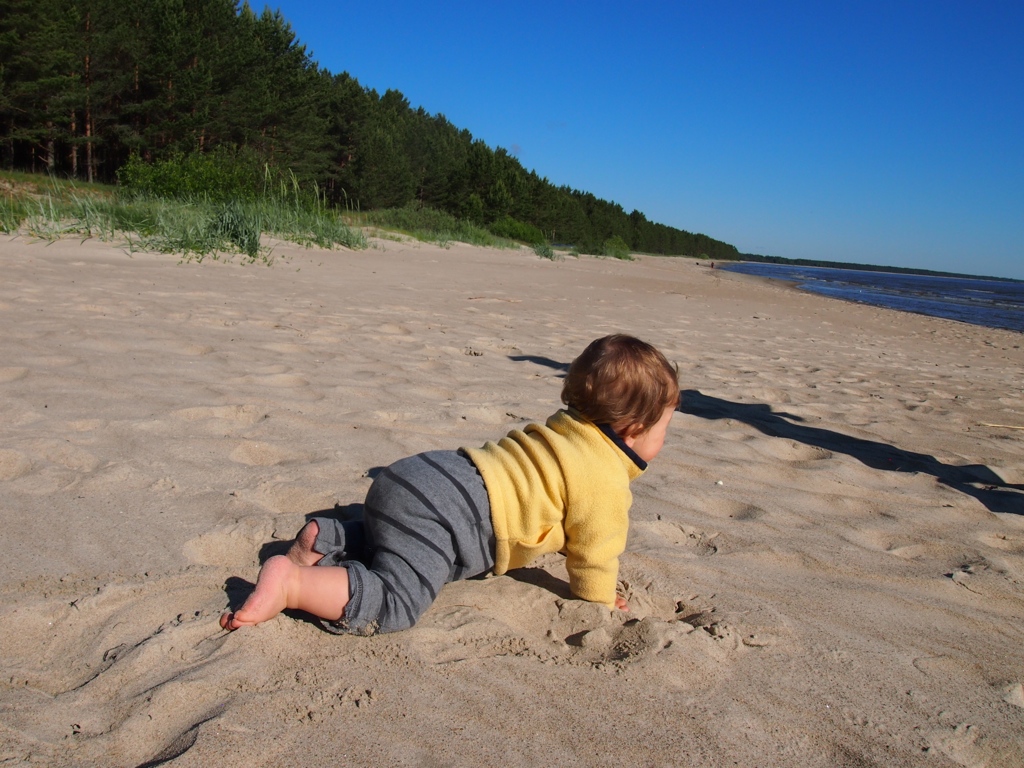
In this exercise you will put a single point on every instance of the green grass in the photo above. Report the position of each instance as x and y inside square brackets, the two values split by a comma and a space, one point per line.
[430, 225]
[195, 228]
[200, 226]
[12, 213]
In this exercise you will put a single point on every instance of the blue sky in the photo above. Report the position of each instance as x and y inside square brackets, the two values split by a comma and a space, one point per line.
[884, 133]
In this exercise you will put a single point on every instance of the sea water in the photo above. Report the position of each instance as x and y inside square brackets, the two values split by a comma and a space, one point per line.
[992, 303]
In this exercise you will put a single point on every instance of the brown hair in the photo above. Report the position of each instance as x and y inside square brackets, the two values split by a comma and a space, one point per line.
[621, 381]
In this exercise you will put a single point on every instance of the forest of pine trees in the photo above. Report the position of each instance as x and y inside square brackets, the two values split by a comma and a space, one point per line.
[87, 84]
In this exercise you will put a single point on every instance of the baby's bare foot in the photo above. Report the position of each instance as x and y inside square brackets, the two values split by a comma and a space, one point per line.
[301, 551]
[268, 599]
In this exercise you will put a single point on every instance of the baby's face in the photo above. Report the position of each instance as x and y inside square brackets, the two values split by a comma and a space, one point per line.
[648, 444]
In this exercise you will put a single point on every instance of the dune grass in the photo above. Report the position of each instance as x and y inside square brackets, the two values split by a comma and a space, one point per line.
[195, 228]
[431, 226]
[545, 251]
[198, 226]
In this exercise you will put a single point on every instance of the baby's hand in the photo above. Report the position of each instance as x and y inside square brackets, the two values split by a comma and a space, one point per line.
[621, 604]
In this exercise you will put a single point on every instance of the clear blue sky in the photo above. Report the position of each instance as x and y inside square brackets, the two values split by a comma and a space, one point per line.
[879, 132]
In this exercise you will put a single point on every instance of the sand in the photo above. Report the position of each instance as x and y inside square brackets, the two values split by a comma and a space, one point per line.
[825, 564]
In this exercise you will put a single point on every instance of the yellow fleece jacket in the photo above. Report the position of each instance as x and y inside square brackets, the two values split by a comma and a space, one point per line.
[563, 486]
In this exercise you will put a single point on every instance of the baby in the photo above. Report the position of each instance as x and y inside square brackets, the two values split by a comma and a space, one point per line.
[447, 515]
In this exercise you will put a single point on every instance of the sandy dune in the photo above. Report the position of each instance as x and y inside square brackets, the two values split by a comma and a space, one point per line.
[825, 567]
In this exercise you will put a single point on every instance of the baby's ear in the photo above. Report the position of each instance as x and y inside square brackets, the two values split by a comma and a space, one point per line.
[632, 430]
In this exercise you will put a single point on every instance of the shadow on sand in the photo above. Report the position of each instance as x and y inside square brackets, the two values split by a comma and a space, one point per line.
[975, 480]
[546, 361]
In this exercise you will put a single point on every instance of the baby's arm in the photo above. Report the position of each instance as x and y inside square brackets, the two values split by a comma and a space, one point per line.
[593, 581]
[592, 560]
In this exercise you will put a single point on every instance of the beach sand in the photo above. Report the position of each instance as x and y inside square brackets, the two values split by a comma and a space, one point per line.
[825, 564]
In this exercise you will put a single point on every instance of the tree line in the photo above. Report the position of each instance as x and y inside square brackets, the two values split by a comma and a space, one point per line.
[87, 85]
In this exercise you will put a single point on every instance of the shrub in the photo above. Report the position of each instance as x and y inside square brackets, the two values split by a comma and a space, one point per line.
[517, 230]
[617, 248]
[221, 175]
[545, 251]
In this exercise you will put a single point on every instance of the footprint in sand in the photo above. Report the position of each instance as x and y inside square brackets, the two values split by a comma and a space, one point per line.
[884, 541]
[279, 497]
[220, 421]
[69, 456]
[45, 362]
[1005, 542]
[913, 551]
[788, 450]
[282, 348]
[104, 345]
[279, 381]
[632, 641]
[85, 425]
[571, 632]
[12, 374]
[231, 546]
[111, 310]
[676, 652]
[186, 349]
[256, 454]
[991, 579]
[660, 533]
[965, 746]
[734, 510]
[13, 464]
[241, 415]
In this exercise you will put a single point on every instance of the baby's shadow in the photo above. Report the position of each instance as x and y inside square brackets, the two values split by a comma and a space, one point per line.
[538, 577]
[539, 360]
[977, 480]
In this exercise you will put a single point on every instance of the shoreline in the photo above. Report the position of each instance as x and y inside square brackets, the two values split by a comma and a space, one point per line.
[796, 284]
[825, 564]
[855, 267]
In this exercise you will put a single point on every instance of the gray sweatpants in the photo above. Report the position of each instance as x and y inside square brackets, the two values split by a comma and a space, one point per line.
[427, 521]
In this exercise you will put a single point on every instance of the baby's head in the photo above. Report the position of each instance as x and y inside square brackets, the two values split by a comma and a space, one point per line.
[623, 382]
